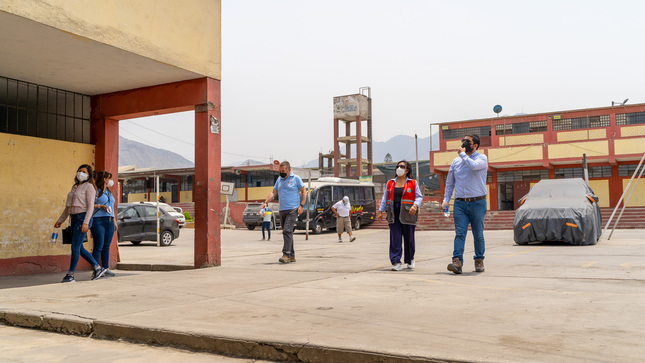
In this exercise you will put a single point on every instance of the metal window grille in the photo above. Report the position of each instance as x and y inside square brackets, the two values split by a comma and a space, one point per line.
[630, 118]
[521, 128]
[482, 131]
[581, 123]
[522, 175]
[626, 170]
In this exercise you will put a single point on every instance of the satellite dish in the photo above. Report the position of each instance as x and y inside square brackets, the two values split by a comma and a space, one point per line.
[497, 109]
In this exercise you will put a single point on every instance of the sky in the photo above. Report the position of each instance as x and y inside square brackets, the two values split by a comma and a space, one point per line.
[426, 62]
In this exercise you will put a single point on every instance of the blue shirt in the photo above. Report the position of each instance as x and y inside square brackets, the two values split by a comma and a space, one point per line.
[289, 191]
[467, 176]
[105, 199]
[418, 197]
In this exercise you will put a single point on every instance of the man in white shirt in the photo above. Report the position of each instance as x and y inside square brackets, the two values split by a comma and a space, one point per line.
[343, 223]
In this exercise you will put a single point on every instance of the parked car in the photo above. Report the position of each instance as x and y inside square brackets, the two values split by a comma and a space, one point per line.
[170, 210]
[138, 222]
[558, 210]
[252, 216]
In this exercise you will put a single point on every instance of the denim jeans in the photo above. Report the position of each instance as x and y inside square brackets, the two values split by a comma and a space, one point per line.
[288, 223]
[401, 233]
[267, 226]
[102, 232]
[77, 243]
[472, 213]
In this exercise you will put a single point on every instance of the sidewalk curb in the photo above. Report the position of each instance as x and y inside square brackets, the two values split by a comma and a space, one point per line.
[238, 348]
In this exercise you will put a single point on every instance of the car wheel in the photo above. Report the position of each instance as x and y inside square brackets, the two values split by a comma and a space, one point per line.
[166, 238]
[317, 228]
[135, 242]
[357, 224]
[250, 227]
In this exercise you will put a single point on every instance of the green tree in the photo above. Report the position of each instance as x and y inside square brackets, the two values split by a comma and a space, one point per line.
[388, 158]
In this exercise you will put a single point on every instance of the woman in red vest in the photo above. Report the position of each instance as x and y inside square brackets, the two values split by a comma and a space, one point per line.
[401, 202]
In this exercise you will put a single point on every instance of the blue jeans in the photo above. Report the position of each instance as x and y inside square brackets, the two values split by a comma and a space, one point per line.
[472, 213]
[400, 232]
[102, 232]
[267, 226]
[77, 243]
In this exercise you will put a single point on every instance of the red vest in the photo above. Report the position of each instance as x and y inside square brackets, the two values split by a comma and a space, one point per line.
[409, 191]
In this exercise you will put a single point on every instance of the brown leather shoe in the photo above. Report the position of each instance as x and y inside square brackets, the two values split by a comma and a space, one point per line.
[284, 259]
[455, 266]
[479, 265]
[292, 259]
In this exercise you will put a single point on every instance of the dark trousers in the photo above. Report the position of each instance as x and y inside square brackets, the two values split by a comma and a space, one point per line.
[77, 243]
[267, 226]
[288, 223]
[401, 233]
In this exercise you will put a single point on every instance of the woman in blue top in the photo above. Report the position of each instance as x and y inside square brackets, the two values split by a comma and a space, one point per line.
[103, 226]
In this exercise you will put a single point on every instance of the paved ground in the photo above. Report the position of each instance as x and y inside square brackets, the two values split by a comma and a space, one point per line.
[340, 302]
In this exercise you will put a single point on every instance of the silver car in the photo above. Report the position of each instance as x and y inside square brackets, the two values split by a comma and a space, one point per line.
[171, 211]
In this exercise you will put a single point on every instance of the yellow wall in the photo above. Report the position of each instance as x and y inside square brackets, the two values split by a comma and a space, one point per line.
[629, 146]
[453, 145]
[632, 131]
[163, 30]
[521, 140]
[520, 153]
[186, 196]
[591, 148]
[255, 193]
[637, 198]
[601, 189]
[36, 175]
[581, 135]
[444, 158]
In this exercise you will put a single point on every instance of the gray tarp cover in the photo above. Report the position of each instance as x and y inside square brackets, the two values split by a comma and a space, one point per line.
[553, 203]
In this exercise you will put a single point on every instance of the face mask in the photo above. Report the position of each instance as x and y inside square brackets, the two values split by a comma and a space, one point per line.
[81, 176]
[468, 146]
[400, 172]
[110, 183]
[283, 175]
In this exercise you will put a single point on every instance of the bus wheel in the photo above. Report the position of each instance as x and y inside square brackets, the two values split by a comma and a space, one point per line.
[317, 229]
[357, 224]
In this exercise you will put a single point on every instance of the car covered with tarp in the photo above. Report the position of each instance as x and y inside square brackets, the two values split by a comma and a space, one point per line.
[558, 210]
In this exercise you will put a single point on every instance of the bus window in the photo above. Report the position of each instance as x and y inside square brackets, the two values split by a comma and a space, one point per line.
[339, 193]
[326, 197]
[360, 195]
[369, 194]
[349, 191]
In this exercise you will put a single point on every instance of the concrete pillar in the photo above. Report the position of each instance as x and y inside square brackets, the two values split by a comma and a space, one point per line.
[336, 150]
[359, 147]
[207, 182]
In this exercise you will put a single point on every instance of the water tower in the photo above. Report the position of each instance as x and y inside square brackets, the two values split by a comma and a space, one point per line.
[353, 110]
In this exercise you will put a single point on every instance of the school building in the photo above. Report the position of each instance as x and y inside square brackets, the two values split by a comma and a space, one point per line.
[524, 149]
[69, 72]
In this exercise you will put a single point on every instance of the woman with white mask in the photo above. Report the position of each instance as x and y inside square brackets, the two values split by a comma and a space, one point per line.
[401, 201]
[103, 226]
[79, 207]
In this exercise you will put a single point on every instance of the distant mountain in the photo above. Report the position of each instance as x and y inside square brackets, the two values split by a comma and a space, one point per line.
[144, 156]
[249, 162]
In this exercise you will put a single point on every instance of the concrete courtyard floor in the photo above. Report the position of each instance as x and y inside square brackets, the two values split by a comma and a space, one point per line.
[340, 302]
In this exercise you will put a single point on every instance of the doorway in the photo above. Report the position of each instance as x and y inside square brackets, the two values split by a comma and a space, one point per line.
[510, 193]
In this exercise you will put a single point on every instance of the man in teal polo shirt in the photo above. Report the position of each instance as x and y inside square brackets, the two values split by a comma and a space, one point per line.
[292, 193]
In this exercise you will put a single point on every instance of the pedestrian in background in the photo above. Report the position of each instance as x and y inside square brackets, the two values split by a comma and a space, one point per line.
[266, 214]
[342, 209]
[291, 190]
[401, 202]
[103, 225]
[79, 207]
[467, 177]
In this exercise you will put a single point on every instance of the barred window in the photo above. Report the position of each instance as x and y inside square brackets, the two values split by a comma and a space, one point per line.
[627, 170]
[581, 123]
[522, 175]
[33, 110]
[186, 182]
[630, 118]
[482, 131]
[521, 128]
[567, 173]
[600, 171]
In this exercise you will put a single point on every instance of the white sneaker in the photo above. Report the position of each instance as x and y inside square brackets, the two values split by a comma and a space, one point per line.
[397, 267]
[411, 265]
[340, 240]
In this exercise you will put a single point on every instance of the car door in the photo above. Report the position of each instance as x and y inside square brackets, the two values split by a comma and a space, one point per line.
[150, 225]
[130, 225]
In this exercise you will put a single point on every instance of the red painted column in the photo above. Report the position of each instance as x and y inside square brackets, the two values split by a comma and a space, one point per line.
[207, 182]
[336, 150]
[348, 149]
[359, 147]
[105, 137]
